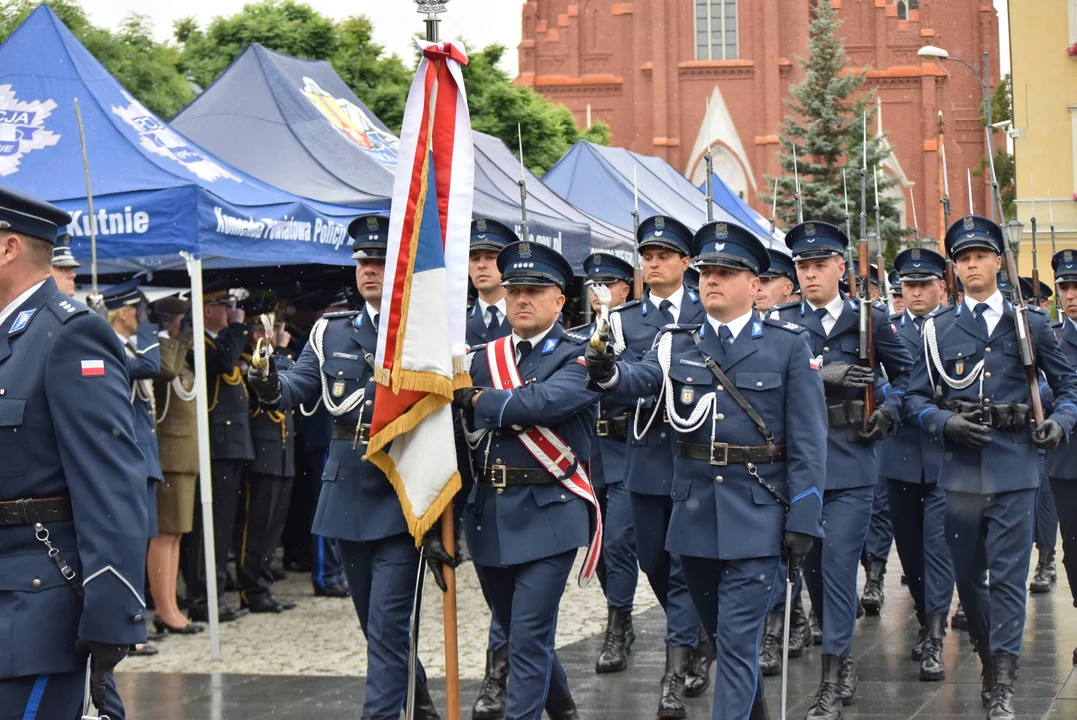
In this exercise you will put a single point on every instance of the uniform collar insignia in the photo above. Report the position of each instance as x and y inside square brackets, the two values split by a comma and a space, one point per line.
[549, 346]
[757, 329]
[21, 321]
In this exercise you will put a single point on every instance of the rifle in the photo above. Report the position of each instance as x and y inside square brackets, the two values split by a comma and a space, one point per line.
[774, 209]
[850, 276]
[1035, 262]
[880, 261]
[637, 271]
[524, 232]
[866, 346]
[1054, 250]
[1020, 308]
[915, 225]
[796, 183]
[710, 166]
[951, 279]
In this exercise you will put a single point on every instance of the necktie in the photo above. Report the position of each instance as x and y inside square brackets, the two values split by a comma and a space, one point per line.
[821, 313]
[523, 349]
[377, 321]
[664, 308]
[493, 323]
[919, 323]
[726, 336]
[981, 308]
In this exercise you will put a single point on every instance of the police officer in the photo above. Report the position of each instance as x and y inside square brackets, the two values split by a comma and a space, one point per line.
[77, 488]
[1061, 464]
[486, 322]
[525, 516]
[969, 389]
[619, 568]
[665, 247]
[897, 297]
[851, 457]
[358, 505]
[778, 285]
[64, 264]
[748, 482]
[909, 465]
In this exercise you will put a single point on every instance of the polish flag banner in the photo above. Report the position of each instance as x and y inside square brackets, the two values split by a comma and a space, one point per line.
[421, 348]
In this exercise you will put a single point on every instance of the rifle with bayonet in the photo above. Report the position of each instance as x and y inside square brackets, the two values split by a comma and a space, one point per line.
[1036, 296]
[524, 232]
[774, 210]
[1054, 250]
[951, 278]
[796, 187]
[880, 261]
[866, 346]
[709, 158]
[850, 276]
[637, 270]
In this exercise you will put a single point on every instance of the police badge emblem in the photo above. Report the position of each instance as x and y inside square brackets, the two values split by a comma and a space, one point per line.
[1068, 256]
[338, 388]
[598, 259]
[915, 255]
[960, 367]
[809, 228]
[688, 394]
[969, 223]
[480, 224]
[659, 223]
[721, 230]
[372, 224]
[525, 250]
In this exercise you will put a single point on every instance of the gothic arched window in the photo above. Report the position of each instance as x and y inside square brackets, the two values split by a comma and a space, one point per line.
[716, 29]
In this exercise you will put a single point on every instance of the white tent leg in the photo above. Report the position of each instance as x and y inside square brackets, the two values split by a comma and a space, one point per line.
[205, 480]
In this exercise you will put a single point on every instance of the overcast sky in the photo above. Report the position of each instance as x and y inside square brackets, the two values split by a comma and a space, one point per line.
[480, 22]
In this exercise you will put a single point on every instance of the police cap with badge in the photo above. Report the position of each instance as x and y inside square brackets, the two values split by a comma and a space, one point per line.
[26, 215]
[602, 267]
[893, 281]
[919, 265]
[528, 263]
[726, 244]
[61, 253]
[815, 239]
[781, 265]
[487, 234]
[370, 237]
[123, 294]
[664, 232]
[1064, 263]
[1043, 292]
[218, 293]
[973, 231]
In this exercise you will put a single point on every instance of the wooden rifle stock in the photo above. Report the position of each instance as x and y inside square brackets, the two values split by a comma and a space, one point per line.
[866, 346]
[1024, 338]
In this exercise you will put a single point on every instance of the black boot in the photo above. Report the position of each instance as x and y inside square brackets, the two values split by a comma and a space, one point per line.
[827, 703]
[847, 681]
[1045, 573]
[671, 703]
[917, 652]
[816, 628]
[424, 704]
[931, 667]
[1001, 707]
[987, 676]
[800, 635]
[562, 708]
[490, 705]
[759, 709]
[698, 678]
[615, 648]
[959, 621]
[873, 588]
[770, 651]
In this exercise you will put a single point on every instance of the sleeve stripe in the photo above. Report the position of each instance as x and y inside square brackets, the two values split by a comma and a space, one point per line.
[813, 491]
[501, 411]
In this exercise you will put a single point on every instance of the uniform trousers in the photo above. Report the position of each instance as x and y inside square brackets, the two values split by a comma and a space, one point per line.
[525, 599]
[992, 532]
[739, 591]
[650, 515]
[1065, 495]
[261, 502]
[58, 696]
[831, 566]
[919, 511]
[880, 529]
[227, 479]
[276, 524]
[618, 568]
[1046, 513]
[381, 575]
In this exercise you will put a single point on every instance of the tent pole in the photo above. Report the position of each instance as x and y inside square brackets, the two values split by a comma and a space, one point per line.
[205, 480]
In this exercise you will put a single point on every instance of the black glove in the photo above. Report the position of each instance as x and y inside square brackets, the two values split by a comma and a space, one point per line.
[103, 660]
[462, 398]
[964, 430]
[879, 423]
[143, 313]
[265, 382]
[843, 375]
[1048, 435]
[795, 547]
[436, 556]
[601, 365]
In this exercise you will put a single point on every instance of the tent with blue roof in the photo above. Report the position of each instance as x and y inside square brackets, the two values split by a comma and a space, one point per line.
[155, 193]
[295, 124]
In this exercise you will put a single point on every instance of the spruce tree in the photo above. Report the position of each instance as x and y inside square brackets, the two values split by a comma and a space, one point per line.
[825, 128]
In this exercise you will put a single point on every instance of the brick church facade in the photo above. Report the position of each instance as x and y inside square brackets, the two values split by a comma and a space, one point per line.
[648, 68]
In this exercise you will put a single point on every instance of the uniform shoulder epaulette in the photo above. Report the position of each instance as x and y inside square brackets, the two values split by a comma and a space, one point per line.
[578, 338]
[1058, 325]
[894, 317]
[1037, 309]
[784, 325]
[341, 314]
[939, 312]
[784, 306]
[626, 305]
[679, 327]
[66, 308]
[475, 348]
[579, 329]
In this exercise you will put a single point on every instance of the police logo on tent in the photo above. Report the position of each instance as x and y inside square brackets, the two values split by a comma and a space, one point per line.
[22, 128]
[353, 123]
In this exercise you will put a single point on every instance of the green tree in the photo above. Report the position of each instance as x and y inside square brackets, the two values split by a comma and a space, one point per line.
[825, 134]
[146, 68]
[1002, 109]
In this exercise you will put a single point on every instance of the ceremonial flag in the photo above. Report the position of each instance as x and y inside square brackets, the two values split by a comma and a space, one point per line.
[421, 346]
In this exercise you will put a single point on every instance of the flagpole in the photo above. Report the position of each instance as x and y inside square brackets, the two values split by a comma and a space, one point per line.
[431, 8]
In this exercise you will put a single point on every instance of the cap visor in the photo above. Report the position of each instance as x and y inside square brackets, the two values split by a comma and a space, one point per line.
[726, 261]
[813, 253]
[485, 246]
[662, 243]
[536, 280]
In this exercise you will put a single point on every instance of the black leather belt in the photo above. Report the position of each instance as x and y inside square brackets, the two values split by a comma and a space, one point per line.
[1008, 417]
[345, 432]
[500, 476]
[48, 510]
[722, 454]
[614, 427]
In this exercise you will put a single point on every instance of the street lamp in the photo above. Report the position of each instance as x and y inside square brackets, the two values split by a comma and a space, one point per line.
[1015, 227]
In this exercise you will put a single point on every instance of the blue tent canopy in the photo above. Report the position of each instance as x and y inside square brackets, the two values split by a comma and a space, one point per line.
[155, 193]
[737, 206]
[295, 124]
[599, 181]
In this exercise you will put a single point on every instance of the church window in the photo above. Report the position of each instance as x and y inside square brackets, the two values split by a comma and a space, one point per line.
[716, 29]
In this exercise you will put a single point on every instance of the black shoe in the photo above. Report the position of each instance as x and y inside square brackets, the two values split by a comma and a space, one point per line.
[847, 681]
[816, 629]
[800, 634]
[1075, 656]
[698, 678]
[424, 704]
[278, 574]
[770, 650]
[142, 650]
[563, 708]
[616, 647]
[987, 676]
[332, 590]
[188, 629]
[199, 612]
[759, 709]
[1045, 573]
[285, 603]
[860, 612]
[917, 652]
[827, 703]
[152, 636]
[931, 666]
[671, 703]
[261, 603]
[1001, 706]
[873, 588]
[959, 621]
[490, 705]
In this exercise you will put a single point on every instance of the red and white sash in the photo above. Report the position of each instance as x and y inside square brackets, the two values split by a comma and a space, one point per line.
[547, 447]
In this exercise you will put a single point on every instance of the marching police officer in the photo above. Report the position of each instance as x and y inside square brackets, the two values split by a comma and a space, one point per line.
[664, 245]
[851, 457]
[72, 501]
[909, 464]
[619, 568]
[746, 402]
[527, 513]
[778, 285]
[358, 505]
[64, 265]
[897, 296]
[1061, 464]
[486, 322]
[969, 388]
